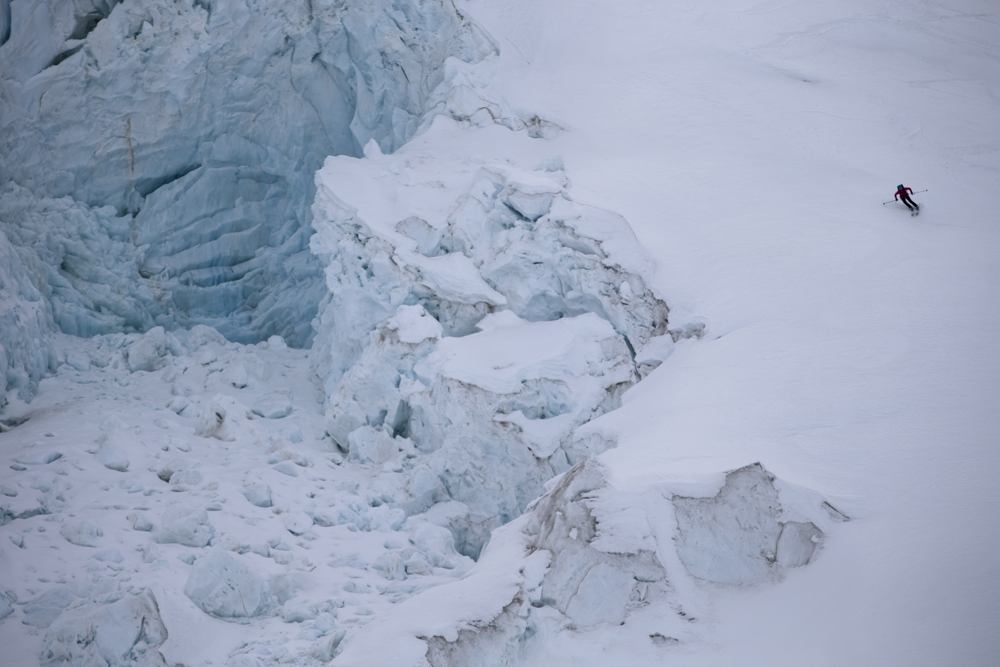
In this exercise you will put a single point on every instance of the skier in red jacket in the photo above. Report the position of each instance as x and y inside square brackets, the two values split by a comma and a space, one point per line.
[905, 194]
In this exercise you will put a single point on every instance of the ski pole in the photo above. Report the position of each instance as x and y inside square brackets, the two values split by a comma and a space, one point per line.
[892, 200]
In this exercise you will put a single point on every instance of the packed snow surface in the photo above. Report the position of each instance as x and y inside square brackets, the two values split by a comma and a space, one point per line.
[500, 447]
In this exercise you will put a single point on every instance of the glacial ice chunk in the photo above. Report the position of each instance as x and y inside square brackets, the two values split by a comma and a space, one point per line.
[121, 634]
[739, 536]
[370, 447]
[146, 354]
[273, 406]
[414, 325]
[297, 523]
[224, 418]
[185, 525]
[257, 492]
[44, 609]
[82, 533]
[797, 543]
[110, 454]
[601, 597]
[222, 585]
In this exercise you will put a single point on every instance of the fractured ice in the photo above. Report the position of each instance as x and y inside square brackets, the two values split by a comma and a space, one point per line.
[117, 634]
[158, 156]
[587, 553]
[741, 534]
[477, 343]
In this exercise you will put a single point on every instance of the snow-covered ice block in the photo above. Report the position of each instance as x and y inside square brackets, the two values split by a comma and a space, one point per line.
[797, 543]
[414, 325]
[595, 548]
[38, 457]
[371, 447]
[108, 556]
[6, 606]
[140, 522]
[256, 491]
[120, 634]
[287, 468]
[735, 537]
[223, 586]
[602, 596]
[147, 353]
[225, 418]
[201, 335]
[273, 406]
[425, 488]
[297, 523]
[78, 360]
[437, 544]
[111, 451]
[82, 533]
[392, 566]
[185, 525]
[44, 609]
[235, 374]
[533, 306]
[171, 468]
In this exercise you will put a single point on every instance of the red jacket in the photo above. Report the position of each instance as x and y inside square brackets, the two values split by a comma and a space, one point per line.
[906, 192]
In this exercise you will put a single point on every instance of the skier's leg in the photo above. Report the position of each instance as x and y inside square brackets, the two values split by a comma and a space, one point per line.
[907, 203]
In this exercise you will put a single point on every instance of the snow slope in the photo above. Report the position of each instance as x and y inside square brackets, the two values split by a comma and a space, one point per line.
[847, 348]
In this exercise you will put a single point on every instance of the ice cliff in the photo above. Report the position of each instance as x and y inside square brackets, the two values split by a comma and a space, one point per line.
[476, 325]
[188, 185]
[158, 156]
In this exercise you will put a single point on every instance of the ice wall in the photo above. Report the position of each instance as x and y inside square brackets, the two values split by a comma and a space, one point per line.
[24, 328]
[158, 156]
[471, 329]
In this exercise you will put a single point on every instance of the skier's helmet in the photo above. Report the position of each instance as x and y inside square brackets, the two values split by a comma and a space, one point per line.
[899, 187]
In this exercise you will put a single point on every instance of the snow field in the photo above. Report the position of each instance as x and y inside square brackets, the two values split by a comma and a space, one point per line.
[811, 331]
[112, 517]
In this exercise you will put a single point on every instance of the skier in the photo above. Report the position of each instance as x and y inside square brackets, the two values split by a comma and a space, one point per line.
[905, 194]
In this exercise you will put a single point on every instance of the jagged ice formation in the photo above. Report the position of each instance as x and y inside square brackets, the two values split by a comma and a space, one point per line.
[471, 318]
[158, 155]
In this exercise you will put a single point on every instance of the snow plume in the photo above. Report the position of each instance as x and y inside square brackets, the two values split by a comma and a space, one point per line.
[163, 152]
[480, 337]
[595, 550]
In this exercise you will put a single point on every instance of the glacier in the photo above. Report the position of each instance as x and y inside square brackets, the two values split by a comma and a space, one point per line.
[158, 157]
[481, 337]
[350, 379]
[589, 553]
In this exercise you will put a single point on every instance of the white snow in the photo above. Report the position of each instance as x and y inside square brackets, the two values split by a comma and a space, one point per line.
[796, 464]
